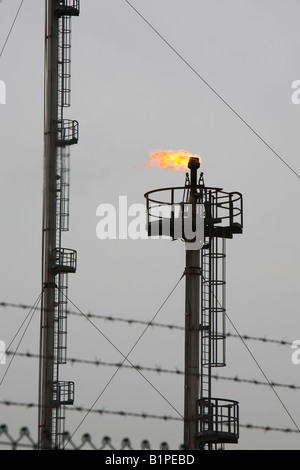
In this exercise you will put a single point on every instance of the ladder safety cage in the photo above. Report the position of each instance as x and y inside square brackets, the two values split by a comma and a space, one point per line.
[213, 304]
[223, 211]
[68, 132]
[167, 214]
[65, 260]
[63, 192]
[218, 421]
[63, 393]
[68, 7]
[64, 62]
[60, 322]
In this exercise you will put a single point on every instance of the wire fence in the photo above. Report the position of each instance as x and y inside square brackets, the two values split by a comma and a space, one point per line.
[157, 370]
[126, 414]
[170, 327]
[26, 441]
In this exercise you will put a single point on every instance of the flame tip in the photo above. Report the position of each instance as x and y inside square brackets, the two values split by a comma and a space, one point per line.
[171, 159]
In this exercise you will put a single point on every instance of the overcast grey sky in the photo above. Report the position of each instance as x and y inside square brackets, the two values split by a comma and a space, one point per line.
[131, 93]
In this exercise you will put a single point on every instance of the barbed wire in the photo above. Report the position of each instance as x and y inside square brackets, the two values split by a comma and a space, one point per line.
[158, 370]
[100, 411]
[26, 441]
[170, 327]
[126, 357]
[145, 415]
[255, 360]
[121, 413]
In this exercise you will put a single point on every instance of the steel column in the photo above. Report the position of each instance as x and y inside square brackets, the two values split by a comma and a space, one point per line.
[49, 227]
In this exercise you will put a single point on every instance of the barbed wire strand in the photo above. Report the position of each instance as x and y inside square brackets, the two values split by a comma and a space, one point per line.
[253, 357]
[80, 409]
[238, 335]
[158, 370]
[171, 327]
[264, 374]
[126, 357]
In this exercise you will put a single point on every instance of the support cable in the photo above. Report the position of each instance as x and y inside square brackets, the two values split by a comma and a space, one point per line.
[263, 373]
[125, 357]
[31, 312]
[257, 363]
[12, 26]
[211, 88]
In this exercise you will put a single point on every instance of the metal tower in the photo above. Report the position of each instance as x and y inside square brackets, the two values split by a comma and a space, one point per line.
[203, 217]
[58, 262]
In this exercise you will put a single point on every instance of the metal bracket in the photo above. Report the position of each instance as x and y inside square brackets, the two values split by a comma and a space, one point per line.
[50, 285]
[193, 271]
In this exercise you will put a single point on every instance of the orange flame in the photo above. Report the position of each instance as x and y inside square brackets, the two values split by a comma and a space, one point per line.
[170, 159]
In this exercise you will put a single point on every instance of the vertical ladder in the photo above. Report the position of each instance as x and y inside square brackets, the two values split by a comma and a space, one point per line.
[218, 309]
[60, 325]
[205, 324]
[63, 394]
[64, 62]
[58, 426]
[63, 192]
[212, 326]
[212, 316]
[67, 134]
